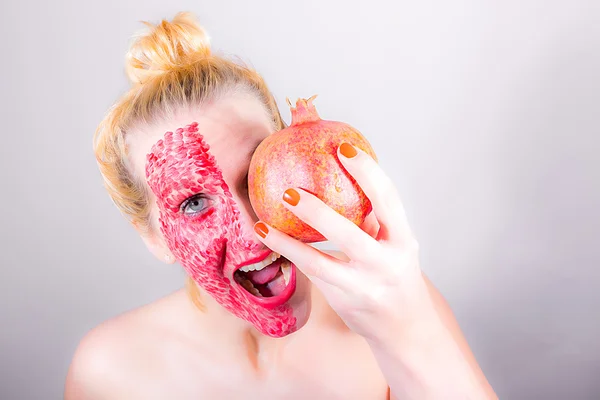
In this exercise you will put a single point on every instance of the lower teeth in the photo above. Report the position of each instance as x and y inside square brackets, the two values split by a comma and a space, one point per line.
[250, 287]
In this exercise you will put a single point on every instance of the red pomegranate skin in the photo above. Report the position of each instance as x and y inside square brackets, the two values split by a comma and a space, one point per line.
[304, 155]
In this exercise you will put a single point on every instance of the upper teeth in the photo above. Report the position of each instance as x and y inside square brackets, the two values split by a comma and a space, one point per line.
[261, 264]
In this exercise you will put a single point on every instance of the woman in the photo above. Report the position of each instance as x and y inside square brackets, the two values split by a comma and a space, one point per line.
[362, 324]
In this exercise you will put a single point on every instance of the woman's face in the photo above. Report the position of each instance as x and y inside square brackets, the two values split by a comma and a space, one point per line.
[195, 165]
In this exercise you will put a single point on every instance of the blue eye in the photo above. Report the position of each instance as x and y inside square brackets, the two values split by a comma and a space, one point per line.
[194, 205]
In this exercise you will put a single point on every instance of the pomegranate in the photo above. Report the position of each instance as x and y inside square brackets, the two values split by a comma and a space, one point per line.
[304, 155]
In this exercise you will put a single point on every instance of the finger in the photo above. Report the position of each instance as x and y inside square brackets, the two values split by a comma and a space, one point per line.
[309, 260]
[370, 225]
[350, 239]
[380, 190]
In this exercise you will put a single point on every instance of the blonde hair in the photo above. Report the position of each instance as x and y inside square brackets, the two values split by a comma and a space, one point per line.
[170, 65]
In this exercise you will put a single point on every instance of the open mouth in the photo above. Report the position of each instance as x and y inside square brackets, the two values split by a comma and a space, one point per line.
[269, 282]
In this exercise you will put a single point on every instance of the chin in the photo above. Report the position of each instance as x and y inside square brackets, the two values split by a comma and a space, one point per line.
[300, 303]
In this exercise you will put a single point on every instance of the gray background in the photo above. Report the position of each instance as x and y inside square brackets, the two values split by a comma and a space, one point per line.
[484, 113]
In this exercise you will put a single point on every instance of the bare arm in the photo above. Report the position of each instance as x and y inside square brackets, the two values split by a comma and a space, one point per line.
[433, 360]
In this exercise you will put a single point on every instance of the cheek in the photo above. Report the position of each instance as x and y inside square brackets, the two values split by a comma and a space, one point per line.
[195, 237]
[200, 241]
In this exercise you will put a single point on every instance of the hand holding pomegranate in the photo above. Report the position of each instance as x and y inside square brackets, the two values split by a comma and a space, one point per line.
[307, 183]
[319, 180]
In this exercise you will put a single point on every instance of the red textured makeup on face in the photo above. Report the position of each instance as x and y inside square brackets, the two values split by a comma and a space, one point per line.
[210, 242]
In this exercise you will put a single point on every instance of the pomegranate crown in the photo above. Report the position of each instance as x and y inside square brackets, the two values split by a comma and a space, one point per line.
[304, 111]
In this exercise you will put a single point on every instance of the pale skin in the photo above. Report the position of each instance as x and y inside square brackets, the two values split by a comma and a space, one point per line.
[376, 328]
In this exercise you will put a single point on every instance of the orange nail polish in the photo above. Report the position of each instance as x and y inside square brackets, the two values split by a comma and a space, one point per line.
[291, 197]
[261, 229]
[348, 150]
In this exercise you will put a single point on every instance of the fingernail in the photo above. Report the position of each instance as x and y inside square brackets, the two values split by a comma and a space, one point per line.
[291, 197]
[261, 229]
[348, 150]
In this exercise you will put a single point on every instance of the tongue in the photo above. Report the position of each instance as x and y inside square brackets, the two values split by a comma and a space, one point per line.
[264, 275]
[276, 286]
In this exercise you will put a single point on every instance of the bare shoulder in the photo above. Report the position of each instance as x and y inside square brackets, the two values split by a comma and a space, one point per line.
[92, 367]
[112, 357]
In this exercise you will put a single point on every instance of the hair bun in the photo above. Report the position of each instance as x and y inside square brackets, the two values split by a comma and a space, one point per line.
[166, 46]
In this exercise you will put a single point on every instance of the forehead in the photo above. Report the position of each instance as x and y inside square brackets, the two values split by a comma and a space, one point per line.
[231, 125]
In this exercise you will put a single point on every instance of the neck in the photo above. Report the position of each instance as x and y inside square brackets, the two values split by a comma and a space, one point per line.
[263, 352]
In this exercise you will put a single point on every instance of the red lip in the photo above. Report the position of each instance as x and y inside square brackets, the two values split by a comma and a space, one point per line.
[256, 259]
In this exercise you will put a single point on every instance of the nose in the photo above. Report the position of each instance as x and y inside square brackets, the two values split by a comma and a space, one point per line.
[247, 215]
